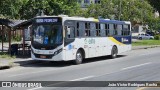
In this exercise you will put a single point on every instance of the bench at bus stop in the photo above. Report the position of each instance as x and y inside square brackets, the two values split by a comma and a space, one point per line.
[17, 48]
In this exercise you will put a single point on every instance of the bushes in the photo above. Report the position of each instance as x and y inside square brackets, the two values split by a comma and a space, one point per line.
[157, 37]
[5, 39]
[16, 38]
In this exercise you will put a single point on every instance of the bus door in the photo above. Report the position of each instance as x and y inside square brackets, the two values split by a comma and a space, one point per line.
[69, 42]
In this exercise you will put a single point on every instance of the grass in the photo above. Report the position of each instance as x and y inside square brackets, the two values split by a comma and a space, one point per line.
[7, 56]
[146, 42]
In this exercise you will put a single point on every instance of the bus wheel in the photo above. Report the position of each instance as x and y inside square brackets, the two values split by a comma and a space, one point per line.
[114, 52]
[79, 58]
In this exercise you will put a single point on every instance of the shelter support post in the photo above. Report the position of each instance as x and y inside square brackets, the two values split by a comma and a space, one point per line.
[2, 37]
[9, 38]
[23, 41]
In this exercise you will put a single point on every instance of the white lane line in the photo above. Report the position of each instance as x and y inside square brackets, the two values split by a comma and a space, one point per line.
[63, 82]
[35, 88]
[136, 66]
[146, 54]
[82, 78]
[23, 74]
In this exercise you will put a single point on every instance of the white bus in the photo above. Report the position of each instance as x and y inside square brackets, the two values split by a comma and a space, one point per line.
[63, 38]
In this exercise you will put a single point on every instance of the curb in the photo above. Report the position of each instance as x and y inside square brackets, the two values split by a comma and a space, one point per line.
[5, 67]
[14, 64]
[143, 47]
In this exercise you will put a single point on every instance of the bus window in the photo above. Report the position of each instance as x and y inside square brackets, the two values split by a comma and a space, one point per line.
[111, 29]
[119, 30]
[87, 29]
[81, 29]
[107, 29]
[97, 29]
[129, 32]
[102, 29]
[126, 30]
[70, 31]
[92, 27]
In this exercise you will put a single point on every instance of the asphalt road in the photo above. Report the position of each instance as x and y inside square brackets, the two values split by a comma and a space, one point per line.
[135, 65]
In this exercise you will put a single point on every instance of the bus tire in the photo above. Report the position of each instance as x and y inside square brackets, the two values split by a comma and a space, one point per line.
[114, 52]
[79, 57]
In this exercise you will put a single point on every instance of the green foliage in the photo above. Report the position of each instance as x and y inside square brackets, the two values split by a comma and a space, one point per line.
[157, 37]
[6, 55]
[146, 42]
[16, 38]
[133, 10]
[139, 11]
[26, 9]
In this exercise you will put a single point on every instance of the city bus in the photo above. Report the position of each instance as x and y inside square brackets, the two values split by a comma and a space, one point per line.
[63, 38]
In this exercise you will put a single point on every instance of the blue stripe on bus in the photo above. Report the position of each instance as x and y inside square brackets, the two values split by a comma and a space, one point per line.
[124, 39]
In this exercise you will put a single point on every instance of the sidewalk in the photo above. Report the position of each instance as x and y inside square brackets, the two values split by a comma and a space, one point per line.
[8, 63]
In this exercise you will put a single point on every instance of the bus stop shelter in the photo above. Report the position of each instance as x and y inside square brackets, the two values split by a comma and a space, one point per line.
[5, 23]
[11, 26]
[22, 26]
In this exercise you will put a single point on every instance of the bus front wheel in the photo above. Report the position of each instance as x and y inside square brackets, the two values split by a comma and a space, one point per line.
[79, 58]
[114, 52]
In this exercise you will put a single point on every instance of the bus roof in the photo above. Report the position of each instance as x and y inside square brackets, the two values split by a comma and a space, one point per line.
[65, 17]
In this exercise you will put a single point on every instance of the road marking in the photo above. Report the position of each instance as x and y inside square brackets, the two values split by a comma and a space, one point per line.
[64, 82]
[82, 78]
[136, 66]
[35, 88]
[146, 54]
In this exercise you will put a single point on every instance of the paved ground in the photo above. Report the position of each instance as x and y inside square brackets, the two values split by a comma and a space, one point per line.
[135, 65]
[8, 63]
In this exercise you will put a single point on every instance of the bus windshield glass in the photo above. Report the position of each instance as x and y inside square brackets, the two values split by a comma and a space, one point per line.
[47, 34]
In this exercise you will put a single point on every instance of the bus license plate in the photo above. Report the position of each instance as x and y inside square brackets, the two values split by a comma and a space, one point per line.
[42, 56]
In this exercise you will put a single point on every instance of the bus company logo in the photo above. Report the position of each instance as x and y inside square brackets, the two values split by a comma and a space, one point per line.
[125, 40]
[6, 84]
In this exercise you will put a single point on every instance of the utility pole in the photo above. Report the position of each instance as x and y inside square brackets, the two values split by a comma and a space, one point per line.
[120, 7]
[142, 12]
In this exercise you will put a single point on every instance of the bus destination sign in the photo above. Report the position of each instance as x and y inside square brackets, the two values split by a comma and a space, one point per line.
[46, 20]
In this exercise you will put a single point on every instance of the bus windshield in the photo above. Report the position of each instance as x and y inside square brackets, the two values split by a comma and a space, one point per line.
[47, 35]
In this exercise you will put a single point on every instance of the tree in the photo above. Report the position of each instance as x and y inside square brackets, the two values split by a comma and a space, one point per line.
[133, 10]
[155, 4]
[10, 8]
[26, 9]
[50, 7]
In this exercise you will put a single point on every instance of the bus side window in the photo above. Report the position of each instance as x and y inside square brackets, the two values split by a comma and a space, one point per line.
[107, 29]
[126, 30]
[97, 29]
[129, 32]
[111, 28]
[119, 30]
[102, 29]
[70, 31]
[87, 29]
[92, 29]
[81, 29]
